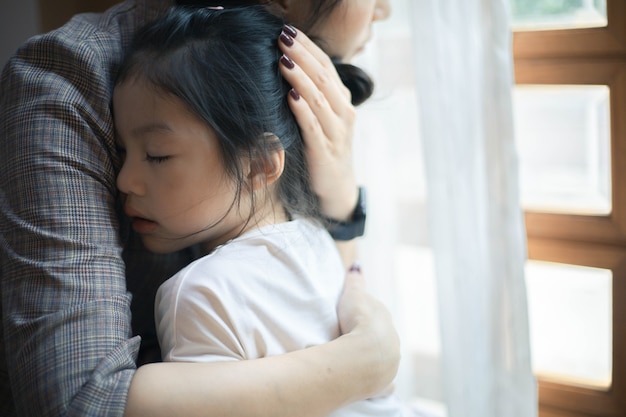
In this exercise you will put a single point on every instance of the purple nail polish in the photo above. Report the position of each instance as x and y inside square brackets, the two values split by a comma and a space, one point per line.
[287, 62]
[290, 30]
[294, 94]
[286, 39]
[355, 268]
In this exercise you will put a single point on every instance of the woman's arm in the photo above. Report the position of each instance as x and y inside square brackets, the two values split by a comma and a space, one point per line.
[67, 346]
[306, 383]
[326, 117]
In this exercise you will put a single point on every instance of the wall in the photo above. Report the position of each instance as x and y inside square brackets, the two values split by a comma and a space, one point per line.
[19, 20]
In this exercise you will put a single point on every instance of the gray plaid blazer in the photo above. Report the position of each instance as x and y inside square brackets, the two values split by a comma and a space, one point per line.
[70, 269]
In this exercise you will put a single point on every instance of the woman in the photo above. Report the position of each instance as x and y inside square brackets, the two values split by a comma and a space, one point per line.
[68, 337]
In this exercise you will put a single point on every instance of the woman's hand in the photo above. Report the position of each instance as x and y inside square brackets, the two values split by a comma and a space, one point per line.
[360, 314]
[322, 107]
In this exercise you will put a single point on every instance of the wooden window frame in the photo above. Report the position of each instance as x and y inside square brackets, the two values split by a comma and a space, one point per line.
[602, 41]
[562, 400]
[594, 56]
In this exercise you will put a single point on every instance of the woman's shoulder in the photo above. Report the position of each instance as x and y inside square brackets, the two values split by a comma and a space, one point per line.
[88, 43]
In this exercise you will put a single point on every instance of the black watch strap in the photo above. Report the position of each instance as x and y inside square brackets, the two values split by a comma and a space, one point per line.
[348, 230]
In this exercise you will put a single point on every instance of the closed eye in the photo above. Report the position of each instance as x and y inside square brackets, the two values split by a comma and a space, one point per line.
[156, 159]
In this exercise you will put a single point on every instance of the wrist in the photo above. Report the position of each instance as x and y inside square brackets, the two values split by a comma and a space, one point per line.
[354, 225]
[339, 201]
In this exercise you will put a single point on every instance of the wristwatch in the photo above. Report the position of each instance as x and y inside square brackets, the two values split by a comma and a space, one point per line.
[348, 230]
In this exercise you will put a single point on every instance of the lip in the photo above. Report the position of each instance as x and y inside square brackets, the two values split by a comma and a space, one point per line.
[140, 224]
[361, 48]
[143, 226]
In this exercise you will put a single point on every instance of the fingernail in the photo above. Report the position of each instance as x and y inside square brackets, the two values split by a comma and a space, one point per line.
[355, 267]
[286, 39]
[294, 94]
[287, 62]
[290, 30]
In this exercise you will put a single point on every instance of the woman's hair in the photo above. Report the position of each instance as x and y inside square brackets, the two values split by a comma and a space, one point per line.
[223, 64]
[360, 84]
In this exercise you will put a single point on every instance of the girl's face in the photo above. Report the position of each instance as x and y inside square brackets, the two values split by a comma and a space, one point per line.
[177, 191]
[348, 27]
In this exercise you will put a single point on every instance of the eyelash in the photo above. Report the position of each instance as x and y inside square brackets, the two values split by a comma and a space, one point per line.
[149, 158]
[156, 159]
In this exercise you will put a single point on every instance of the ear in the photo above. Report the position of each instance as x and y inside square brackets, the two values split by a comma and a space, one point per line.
[296, 12]
[282, 5]
[266, 169]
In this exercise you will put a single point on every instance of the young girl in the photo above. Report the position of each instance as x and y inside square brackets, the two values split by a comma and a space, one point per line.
[214, 158]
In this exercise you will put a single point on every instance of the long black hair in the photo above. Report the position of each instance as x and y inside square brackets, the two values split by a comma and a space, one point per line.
[359, 83]
[223, 64]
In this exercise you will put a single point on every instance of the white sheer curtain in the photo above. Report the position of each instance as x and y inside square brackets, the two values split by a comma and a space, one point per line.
[464, 81]
[465, 235]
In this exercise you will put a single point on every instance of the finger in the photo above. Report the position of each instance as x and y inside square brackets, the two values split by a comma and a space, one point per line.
[310, 46]
[319, 69]
[323, 74]
[355, 270]
[318, 106]
[308, 122]
[354, 302]
[312, 79]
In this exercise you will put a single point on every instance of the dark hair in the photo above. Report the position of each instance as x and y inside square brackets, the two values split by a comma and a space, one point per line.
[223, 64]
[216, 3]
[360, 84]
[318, 10]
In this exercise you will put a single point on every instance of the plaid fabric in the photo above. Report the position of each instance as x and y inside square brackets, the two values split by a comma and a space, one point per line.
[67, 344]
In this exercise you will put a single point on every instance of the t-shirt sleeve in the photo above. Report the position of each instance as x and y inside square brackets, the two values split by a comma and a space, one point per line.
[199, 316]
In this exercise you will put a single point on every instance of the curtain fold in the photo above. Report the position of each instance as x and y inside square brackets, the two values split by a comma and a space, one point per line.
[464, 76]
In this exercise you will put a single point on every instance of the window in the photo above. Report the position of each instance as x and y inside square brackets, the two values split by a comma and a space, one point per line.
[570, 110]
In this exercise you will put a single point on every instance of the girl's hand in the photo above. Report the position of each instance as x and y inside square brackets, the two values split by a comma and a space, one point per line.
[322, 107]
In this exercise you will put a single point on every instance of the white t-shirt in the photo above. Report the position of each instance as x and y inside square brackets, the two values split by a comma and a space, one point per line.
[270, 291]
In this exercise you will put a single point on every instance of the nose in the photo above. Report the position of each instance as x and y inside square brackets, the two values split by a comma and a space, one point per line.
[382, 10]
[129, 181]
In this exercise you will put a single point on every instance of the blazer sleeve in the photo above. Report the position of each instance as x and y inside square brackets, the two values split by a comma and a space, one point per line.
[65, 308]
